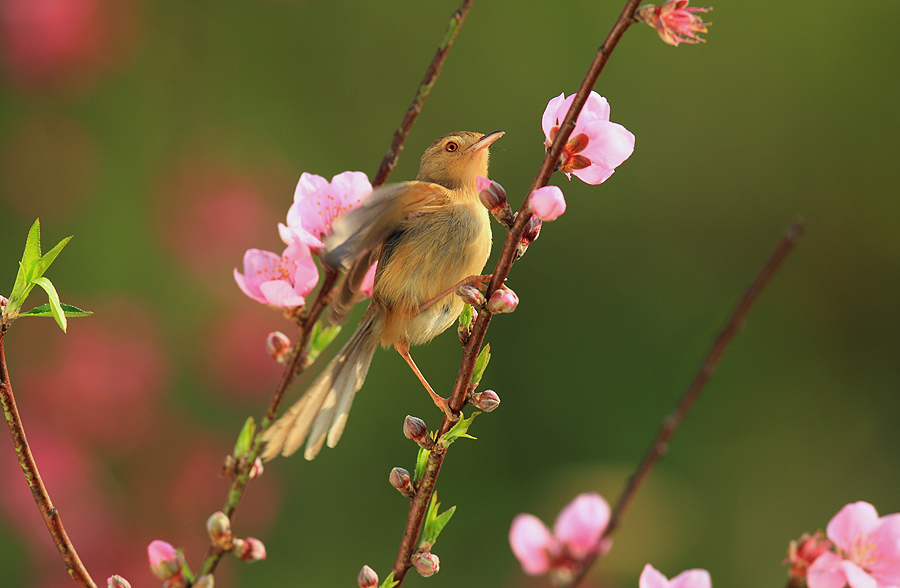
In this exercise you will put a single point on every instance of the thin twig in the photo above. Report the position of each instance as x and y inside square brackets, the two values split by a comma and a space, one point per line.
[419, 504]
[26, 460]
[671, 423]
[299, 353]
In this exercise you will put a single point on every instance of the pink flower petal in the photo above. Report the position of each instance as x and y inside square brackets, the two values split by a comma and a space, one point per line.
[531, 543]
[550, 117]
[580, 524]
[368, 282]
[856, 577]
[850, 522]
[885, 537]
[279, 293]
[482, 183]
[652, 578]
[696, 578]
[305, 275]
[548, 203]
[609, 146]
[826, 572]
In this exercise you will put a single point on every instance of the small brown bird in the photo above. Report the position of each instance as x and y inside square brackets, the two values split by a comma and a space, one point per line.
[427, 236]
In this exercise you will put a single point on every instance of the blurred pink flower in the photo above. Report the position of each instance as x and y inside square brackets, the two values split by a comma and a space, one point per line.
[868, 550]
[165, 561]
[58, 42]
[278, 281]
[318, 202]
[675, 21]
[576, 533]
[697, 578]
[596, 147]
[548, 203]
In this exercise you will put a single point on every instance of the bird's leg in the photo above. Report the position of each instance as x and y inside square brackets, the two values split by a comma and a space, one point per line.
[441, 402]
[477, 280]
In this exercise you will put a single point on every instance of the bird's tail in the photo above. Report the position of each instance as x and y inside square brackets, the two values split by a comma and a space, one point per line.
[323, 409]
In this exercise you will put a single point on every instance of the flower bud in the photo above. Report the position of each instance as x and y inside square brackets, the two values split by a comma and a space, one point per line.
[278, 346]
[427, 564]
[547, 203]
[256, 470]
[491, 194]
[3, 302]
[486, 400]
[117, 581]
[249, 549]
[204, 581]
[804, 551]
[228, 466]
[367, 578]
[219, 527]
[503, 300]
[532, 230]
[471, 295]
[415, 430]
[165, 561]
[400, 480]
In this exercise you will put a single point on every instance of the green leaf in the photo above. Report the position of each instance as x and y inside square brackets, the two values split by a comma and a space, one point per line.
[421, 461]
[55, 307]
[48, 258]
[32, 253]
[44, 310]
[389, 582]
[242, 445]
[481, 364]
[434, 522]
[321, 338]
[185, 569]
[460, 429]
[465, 318]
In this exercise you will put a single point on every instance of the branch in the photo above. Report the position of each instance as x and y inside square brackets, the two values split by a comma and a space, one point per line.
[425, 489]
[26, 460]
[671, 423]
[297, 361]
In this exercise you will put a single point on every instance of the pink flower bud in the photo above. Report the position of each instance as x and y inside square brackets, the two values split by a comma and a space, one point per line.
[532, 230]
[427, 564]
[548, 203]
[165, 561]
[3, 302]
[471, 295]
[219, 527]
[400, 480]
[249, 549]
[367, 578]
[256, 470]
[486, 400]
[415, 430]
[278, 346]
[503, 300]
[117, 582]
[804, 551]
[491, 194]
[204, 581]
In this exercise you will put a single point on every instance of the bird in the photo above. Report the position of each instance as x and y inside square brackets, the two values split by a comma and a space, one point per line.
[428, 236]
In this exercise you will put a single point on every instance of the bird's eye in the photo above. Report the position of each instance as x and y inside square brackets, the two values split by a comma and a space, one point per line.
[451, 146]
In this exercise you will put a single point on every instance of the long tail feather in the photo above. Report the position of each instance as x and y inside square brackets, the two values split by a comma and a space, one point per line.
[325, 405]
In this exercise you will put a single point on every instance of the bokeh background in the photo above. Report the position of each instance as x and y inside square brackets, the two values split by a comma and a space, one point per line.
[168, 138]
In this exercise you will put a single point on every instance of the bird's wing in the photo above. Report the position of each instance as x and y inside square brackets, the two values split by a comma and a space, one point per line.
[364, 228]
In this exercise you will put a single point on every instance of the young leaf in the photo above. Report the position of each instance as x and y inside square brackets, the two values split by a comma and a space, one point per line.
[242, 445]
[55, 307]
[460, 429]
[465, 317]
[321, 338]
[48, 258]
[44, 310]
[434, 522]
[32, 253]
[421, 461]
[389, 582]
[481, 364]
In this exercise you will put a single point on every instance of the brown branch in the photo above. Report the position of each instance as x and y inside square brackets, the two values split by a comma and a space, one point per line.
[419, 504]
[671, 423]
[300, 351]
[26, 460]
[431, 75]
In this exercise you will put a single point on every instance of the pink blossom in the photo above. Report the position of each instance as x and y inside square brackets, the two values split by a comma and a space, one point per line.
[548, 203]
[576, 533]
[675, 21]
[868, 550]
[596, 147]
[318, 202]
[697, 578]
[278, 281]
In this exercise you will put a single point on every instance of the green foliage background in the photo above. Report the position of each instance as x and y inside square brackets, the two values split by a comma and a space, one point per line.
[789, 109]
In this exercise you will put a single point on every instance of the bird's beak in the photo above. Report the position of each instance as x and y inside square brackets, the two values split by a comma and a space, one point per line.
[485, 141]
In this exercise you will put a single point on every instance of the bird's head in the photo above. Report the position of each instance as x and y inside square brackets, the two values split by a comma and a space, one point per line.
[456, 159]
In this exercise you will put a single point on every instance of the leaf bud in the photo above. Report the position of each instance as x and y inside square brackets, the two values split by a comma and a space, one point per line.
[415, 430]
[471, 295]
[400, 480]
[486, 400]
